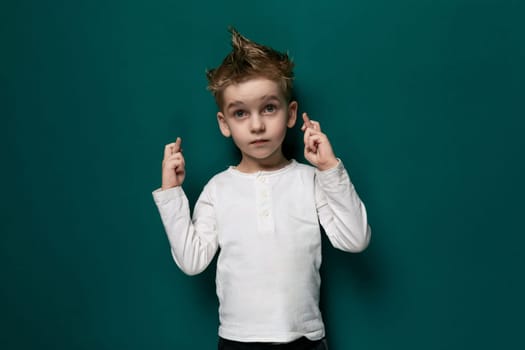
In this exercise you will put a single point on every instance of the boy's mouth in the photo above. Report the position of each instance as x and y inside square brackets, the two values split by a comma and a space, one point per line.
[259, 142]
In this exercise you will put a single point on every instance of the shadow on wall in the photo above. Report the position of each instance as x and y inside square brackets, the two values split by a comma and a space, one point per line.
[350, 279]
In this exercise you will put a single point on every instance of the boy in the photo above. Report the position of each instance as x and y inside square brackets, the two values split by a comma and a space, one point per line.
[264, 213]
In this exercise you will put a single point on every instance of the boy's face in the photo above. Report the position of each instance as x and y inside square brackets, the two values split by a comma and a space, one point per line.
[256, 115]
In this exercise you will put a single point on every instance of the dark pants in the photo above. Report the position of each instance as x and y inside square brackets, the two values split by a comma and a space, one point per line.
[299, 344]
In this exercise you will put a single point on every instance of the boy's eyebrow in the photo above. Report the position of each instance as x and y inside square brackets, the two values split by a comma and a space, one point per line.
[234, 104]
[240, 103]
[269, 97]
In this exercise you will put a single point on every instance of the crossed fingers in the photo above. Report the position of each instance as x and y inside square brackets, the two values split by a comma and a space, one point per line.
[312, 134]
[308, 123]
[172, 148]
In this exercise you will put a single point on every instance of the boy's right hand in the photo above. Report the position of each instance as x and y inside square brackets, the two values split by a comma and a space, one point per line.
[173, 171]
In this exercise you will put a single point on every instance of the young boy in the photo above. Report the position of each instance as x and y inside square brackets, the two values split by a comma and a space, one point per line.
[264, 213]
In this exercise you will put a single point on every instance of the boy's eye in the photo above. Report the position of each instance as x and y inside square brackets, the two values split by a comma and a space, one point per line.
[239, 113]
[270, 108]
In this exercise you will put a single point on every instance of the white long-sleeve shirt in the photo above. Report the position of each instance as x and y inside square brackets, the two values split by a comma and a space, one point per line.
[266, 225]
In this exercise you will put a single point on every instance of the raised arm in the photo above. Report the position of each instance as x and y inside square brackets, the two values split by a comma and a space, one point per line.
[193, 242]
[341, 212]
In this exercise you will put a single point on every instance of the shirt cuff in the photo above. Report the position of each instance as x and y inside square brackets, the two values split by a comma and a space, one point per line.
[331, 170]
[160, 195]
[333, 175]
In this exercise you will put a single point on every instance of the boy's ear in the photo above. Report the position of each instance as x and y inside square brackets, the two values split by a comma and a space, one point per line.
[292, 114]
[223, 126]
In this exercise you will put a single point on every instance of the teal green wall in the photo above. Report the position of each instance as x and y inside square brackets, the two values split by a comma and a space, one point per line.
[423, 100]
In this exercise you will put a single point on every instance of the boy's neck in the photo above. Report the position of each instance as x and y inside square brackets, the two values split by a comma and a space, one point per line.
[248, 165]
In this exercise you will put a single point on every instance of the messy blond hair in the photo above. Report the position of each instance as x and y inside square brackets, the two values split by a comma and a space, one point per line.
[250, 60]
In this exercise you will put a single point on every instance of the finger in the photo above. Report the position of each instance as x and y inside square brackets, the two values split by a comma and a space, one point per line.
[178, 164]
[312, 131]
[311, 149]
[315, 125]
[176, 147]
[173, 157]
[176, 156]
[306, 137]
[307, 120]
[308, 123]
[180, 169]
[314, 142]
[311, 134]
[309, 142]
[168, 150]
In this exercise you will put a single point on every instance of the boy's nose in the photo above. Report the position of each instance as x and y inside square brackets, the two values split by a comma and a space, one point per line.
[256, 124]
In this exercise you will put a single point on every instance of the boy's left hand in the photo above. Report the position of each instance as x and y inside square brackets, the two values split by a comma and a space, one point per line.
[317, 148]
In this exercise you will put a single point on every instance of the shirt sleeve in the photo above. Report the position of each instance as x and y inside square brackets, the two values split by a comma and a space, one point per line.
[193, 242]
[341, 212]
